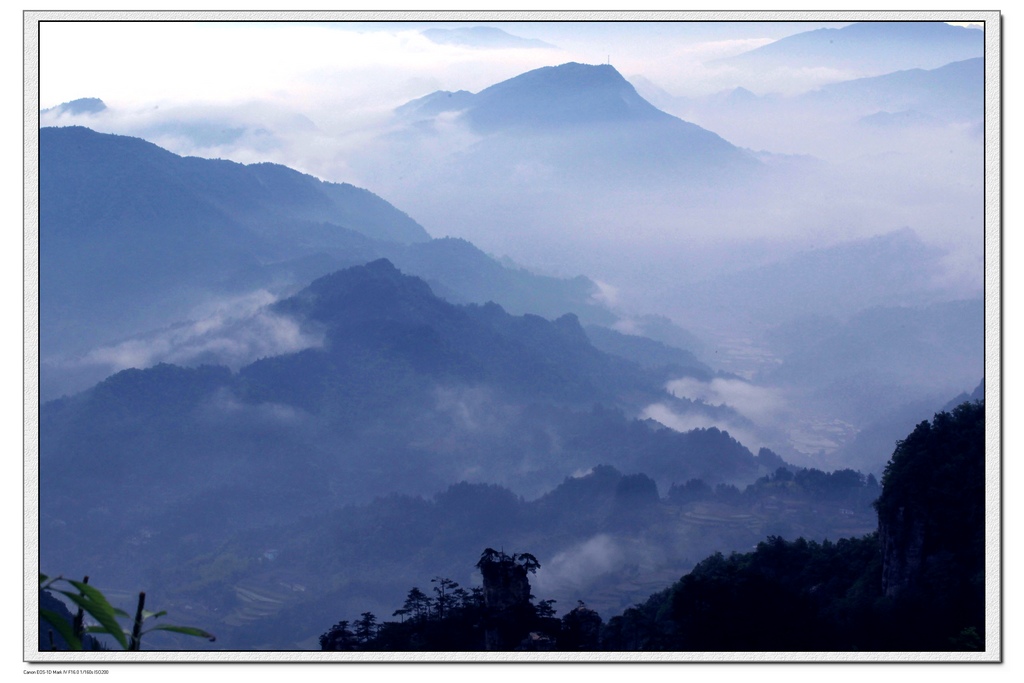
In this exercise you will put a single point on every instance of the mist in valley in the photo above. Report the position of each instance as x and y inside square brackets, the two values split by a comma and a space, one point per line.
[517, 274]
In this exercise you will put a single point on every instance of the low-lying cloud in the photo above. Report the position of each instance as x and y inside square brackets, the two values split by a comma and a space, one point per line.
[581, 564]
[758, 403]
[231, 332]
[764, 407]
[572, 574]
[224, 405]
[686, 422]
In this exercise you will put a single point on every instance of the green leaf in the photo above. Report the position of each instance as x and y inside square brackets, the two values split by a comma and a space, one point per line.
[187, 630]
[90, 592]
[62, 627]
[93, 602]
[100, 629]
[99, 609]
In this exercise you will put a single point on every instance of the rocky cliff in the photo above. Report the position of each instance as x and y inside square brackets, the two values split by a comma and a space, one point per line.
[931, 521]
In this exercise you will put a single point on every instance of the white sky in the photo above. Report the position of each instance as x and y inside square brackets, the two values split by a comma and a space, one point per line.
[306, 64]
[323, 90]
[328, 87]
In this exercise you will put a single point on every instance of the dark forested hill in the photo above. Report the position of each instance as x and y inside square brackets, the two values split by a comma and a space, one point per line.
[401, 392]
[391, 369]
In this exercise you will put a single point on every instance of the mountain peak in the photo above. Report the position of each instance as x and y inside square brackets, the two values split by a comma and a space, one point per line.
[568, 94]
[573, 72]
[481, 37]
[568, 77]
[435, 103]
[374, 291]
[83, 105]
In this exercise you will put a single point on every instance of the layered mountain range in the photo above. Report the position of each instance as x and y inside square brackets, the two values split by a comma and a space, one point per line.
[134, 240]
[250, 360]
[402, 393]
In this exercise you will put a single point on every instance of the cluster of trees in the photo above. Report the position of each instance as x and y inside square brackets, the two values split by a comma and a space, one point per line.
[499, 615]
[796, 596]
[450, 619]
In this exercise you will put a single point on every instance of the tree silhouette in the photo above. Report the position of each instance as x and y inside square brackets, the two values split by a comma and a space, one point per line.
[490, 555]
[444, 598]
[528, 562]
[339, 637]
[498, 615]
[417, 603]
[545, 609]
[366, 627]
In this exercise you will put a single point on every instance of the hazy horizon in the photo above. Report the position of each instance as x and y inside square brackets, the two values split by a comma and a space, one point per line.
[770, 237]
[322, 102]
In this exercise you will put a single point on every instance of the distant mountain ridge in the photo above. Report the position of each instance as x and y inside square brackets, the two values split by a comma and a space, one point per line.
[870, 48]
[552, 96]
[591, 110]
[270, 191]
[488, 37]
[842, 279]
[523, 166]
[953, 92]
